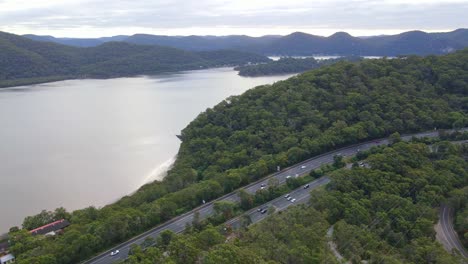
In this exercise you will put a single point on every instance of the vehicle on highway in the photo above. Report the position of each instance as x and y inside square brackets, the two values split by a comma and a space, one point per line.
[303, 166]
[306, 186]
[287, 195]
[260, 209]
[289, 176]
[289, 198]
[264, 210]
[113, 253]
[293, 200]
[262, 186]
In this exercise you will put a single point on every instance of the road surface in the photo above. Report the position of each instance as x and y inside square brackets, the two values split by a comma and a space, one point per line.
[446, 235]
[301, 195]
[178, 223]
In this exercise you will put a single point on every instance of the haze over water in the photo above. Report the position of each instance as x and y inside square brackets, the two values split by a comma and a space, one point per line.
[88, 142]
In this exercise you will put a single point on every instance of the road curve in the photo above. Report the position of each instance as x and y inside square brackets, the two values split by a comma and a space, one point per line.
[178, 223]
[446, 234]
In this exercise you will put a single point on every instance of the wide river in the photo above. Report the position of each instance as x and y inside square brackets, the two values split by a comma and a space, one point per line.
[88, 142]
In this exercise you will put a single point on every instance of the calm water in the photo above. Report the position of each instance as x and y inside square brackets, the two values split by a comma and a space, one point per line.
[88, 142]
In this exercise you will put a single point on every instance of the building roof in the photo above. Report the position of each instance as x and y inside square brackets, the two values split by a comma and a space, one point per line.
[6, 258]
[54, 226]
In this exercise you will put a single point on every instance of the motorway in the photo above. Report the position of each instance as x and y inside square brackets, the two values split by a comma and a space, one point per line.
[301, 195]
[177, 224]
[446, 234]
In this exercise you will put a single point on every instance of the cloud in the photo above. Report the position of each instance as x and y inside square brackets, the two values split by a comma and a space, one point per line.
[87, 17]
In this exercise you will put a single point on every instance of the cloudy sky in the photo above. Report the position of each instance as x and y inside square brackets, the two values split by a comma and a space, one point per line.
[96, 18]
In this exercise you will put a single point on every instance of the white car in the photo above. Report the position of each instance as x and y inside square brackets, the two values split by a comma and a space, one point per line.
[293, 200]
[113, 253]
[289, 176]
[289, 198]
[303, 166]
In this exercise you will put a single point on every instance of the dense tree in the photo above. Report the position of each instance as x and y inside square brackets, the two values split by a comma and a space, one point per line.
[26, 61]
[245, 137]
[289, 65]
[389, 209]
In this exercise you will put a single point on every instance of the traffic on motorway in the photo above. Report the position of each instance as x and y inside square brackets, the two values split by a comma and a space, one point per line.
[178, 223]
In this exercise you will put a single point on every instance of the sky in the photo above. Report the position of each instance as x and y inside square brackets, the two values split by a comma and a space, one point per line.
[98, 18]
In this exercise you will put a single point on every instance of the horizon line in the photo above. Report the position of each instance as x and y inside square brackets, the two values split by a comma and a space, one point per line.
[247, 35]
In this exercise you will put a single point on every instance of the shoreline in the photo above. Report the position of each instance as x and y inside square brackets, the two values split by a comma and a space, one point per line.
[18, 83]
[149, 169]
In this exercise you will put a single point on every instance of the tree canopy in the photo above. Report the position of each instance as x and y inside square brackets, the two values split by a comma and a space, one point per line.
[245, 137]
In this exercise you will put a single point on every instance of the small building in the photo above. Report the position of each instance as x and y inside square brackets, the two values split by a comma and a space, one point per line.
[50, 229]
[7, 259]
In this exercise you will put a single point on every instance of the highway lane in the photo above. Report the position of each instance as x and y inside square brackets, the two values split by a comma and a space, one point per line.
[301, 195]
[448, 235]
[178, 223]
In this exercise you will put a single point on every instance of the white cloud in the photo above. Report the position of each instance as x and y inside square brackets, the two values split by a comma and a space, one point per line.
[102, 17]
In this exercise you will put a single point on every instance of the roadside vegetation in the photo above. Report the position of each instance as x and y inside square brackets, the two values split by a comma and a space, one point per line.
[246, 137]
[384, 213]
[459, 201]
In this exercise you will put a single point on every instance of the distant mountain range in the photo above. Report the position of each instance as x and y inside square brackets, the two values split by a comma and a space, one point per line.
[25, 61]
[340, 43]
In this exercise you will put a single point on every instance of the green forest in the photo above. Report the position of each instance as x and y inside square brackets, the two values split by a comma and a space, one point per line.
[289, 65]
[245, 137]
[382, 214]
[459, 201]
[25, 61]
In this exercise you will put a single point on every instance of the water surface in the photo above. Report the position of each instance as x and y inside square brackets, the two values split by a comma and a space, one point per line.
[88, 142]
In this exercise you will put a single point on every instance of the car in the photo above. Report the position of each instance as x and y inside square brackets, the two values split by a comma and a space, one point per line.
[263, 187]
[303, 166]
[260, 209]
[287, 195]
[296, 175]
[289, 176]
[289, 198]
[263, 211]
[293, 200]
[306, 186]
[113, 253]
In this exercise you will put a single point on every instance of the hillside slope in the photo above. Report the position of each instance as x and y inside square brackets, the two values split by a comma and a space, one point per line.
[23, 60]
[298, 43]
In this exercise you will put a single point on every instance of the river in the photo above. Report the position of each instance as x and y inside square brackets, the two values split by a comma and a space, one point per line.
[88, 142]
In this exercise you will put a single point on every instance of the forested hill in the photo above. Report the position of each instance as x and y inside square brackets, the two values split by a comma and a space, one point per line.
[245, 137]
[299, 43]
[23, 60]
[289, 65]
